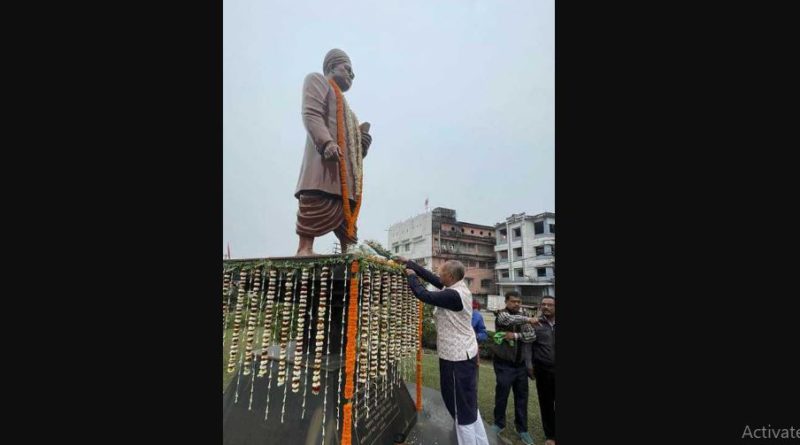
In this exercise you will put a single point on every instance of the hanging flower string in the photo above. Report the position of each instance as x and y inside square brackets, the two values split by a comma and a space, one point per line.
[383, 366]
[356, 402]
[363, 340]
[266, 336]
[341, 346]
[397, 315]
[368, 339]
[252, 320]
[308, 343]
[411, 328]
[350, 360]
[406, 327]
[266, 355]
[285, 327]
[320, 333]
[375, 326]
[419, 356]
[241, 360]
[291, 317]
[259, 298]
[301, 323]
[327, 368]
[237, 321]
[226, 307]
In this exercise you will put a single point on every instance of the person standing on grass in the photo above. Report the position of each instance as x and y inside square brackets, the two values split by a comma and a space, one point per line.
[456, 344]
[510, 365]
[544, 366]
[480, 333]
[541, 361]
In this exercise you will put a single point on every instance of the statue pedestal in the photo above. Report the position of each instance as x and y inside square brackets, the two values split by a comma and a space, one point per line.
[392, 410]
[257, 411]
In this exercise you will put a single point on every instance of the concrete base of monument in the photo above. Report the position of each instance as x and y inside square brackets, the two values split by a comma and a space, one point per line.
[434, 424]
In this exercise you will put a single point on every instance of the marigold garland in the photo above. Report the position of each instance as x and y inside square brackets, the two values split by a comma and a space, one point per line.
[350, 216]
[350, 354]
[352, 325]
[346, 416]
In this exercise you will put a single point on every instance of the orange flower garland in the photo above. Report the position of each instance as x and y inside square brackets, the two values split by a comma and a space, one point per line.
[352, 324]
[350, 354]
[347, 415]
[350, 216]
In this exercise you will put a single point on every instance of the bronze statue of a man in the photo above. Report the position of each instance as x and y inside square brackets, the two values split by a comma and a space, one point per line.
[332, 163]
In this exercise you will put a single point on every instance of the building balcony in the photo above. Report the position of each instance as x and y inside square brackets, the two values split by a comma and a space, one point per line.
[457, 234]
[446, 251]
[535, 280]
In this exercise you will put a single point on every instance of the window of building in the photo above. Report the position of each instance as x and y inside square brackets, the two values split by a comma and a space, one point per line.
[517, 232]
[468, 281]
[504, 273]
[541, 272]
[472, 232]
[519, 273]
[552, 228]
[538, 227]
[396, 249]
[486, 284]
[408, 247]
[539, 250]
[553, 250]
[517, 253]
[503, 255]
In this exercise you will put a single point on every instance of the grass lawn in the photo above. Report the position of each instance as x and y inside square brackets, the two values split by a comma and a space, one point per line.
[430, 378]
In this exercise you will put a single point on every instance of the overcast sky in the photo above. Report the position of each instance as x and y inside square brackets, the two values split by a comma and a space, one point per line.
[460, 95]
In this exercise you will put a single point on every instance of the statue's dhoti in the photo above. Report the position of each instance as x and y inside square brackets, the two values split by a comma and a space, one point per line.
[319, 213]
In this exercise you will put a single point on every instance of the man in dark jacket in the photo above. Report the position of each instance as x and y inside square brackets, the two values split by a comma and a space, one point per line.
[541, 361]
[544, 366]
[509, 367]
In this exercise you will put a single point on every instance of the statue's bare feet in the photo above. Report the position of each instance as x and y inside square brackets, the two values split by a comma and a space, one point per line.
[306, 252]
[306, 246]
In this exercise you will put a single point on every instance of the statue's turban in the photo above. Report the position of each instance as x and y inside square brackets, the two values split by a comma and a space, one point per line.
[333, 58]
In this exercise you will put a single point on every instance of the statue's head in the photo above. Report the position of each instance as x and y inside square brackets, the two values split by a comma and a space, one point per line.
[337, 66]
